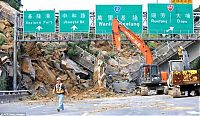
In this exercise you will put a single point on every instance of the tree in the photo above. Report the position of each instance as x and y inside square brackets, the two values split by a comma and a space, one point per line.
[14, 3]
[197, 9]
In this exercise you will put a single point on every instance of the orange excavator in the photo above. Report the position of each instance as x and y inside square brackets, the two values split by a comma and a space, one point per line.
[149, 77]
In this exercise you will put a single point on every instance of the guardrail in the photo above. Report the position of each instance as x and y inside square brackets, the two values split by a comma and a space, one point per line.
[12, 96]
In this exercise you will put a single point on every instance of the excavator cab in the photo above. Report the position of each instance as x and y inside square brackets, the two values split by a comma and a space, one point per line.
[149, 74]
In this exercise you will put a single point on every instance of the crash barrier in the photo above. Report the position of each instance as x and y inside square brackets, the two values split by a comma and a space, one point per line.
[12, 96]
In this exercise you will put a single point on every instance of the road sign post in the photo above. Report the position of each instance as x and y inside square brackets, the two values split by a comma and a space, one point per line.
[170, 19]
[129, 15]
[39, 21]
[74, 21]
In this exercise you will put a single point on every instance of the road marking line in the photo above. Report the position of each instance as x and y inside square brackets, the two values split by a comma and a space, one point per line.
[193, 112]
[36, 107]
[85, 114]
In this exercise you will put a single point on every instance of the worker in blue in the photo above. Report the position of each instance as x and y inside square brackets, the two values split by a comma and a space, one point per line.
[60, 90]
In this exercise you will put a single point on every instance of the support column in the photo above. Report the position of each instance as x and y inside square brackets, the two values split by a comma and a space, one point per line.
[15, 54]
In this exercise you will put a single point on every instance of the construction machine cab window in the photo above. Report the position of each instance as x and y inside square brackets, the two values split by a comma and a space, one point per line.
[154, 70]
[177, 66]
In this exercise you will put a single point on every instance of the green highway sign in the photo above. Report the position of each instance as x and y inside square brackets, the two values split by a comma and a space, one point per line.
[39, 21]
[129, 15]
[74, 21]
[170, 19]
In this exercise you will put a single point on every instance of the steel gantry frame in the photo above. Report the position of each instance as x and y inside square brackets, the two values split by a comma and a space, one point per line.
[20, 36]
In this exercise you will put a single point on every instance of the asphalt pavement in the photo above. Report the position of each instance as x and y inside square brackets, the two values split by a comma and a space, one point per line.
[120, 106]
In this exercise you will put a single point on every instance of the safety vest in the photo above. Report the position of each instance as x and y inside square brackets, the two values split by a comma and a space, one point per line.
[59, 88]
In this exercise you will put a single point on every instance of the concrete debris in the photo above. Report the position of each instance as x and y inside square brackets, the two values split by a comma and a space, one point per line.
[40, 89]
[64, 77]
[26, 82]
[56, 64]
[3, 59]
[112, 62]
[123, 87]
[68, 64]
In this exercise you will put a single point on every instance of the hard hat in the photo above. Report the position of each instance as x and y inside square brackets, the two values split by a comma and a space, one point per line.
[58, 78]
[181, 47]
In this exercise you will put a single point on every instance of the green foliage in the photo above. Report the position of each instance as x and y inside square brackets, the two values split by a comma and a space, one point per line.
[197, 9]
[72, 51]
[13, 3]
[151, 45]
[3, 82]
[84, 45]
[146, 35]
[195, 64]
[33, 97]
[2, 40]
[112, 55]
[50, 49]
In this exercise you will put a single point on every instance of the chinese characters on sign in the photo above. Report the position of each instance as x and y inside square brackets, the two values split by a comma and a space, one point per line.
[170, 18]
[129, 15]
[162, 19]
[39, 21]
[74, 20]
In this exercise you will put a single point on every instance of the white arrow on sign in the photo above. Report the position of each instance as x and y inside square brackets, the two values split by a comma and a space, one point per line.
[74, 27]
[39, 28]
[170, 29]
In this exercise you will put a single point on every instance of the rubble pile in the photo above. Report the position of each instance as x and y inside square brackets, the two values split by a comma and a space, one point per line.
[6, 35]
[39, 73]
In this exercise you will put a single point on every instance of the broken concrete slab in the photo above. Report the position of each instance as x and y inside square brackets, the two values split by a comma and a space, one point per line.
[113, 62]
[68, 64]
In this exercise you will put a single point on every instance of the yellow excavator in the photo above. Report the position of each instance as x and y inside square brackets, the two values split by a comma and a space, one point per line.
[182, 80]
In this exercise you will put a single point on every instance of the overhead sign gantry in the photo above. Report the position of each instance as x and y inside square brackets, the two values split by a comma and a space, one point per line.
[170, 19]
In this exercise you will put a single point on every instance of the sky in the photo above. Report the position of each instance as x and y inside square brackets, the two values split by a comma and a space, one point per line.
[87, 4]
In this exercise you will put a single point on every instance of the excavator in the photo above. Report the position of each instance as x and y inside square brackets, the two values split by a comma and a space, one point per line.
[149, 78]
[182, 80]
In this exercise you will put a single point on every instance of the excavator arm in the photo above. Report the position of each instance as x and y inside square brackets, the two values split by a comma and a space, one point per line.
[117, 28]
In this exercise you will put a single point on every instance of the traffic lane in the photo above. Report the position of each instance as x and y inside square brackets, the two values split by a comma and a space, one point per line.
[133, 105]
[48, 108]
[150, 105]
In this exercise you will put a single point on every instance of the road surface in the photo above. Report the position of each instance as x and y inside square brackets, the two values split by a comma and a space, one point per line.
[121, 106]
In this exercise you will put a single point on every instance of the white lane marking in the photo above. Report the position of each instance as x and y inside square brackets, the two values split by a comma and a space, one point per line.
[193, 112]
[36, 107]
[85, 114]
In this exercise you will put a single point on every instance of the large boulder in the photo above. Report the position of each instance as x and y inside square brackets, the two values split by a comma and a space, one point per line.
[40, 89]
[27, 67]
[44, 73]
[48, 73]
[32, 50]
[6, 29]
[2, 26]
